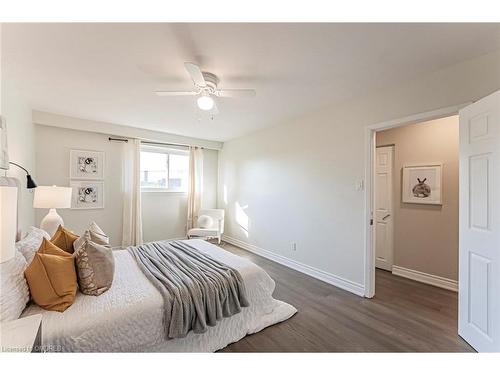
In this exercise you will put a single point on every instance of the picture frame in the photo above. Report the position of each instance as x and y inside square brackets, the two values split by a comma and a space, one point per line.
[87, 195]
[86, 165]
[422, 184]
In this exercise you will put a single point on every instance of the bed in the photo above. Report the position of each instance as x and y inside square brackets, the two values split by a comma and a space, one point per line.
[129, 316]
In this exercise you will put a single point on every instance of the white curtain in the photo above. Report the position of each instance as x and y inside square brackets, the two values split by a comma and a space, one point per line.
[195, 186]
[132, 220]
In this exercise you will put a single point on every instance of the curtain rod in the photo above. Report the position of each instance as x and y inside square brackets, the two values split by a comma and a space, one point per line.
[167, 144]
[152, 143]
[117, 139]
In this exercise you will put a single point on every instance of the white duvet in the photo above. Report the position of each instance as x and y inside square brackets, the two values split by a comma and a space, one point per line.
[128, 317]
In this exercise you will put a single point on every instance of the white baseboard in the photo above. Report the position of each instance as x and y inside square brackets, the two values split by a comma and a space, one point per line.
[329, 278]
[426, 278]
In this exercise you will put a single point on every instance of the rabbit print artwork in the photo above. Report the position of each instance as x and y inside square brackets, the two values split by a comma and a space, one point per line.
[421, 190]
[422, 184]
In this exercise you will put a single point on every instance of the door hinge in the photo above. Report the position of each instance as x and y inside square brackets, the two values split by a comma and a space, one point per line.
[371, 221]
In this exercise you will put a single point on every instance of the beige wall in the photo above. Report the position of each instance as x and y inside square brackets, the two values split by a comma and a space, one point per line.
[426, 236]
[164, 214]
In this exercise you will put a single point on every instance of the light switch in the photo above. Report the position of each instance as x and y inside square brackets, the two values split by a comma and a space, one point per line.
[360, 185]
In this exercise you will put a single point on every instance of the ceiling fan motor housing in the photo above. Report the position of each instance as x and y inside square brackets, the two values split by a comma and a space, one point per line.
[211, 80]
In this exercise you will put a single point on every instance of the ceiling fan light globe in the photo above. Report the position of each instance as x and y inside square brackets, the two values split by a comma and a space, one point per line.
[205, 103]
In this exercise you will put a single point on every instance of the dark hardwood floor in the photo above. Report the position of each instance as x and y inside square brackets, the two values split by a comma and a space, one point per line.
[404, 316]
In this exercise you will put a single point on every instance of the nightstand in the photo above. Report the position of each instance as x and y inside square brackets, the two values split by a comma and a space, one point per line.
[22, 335]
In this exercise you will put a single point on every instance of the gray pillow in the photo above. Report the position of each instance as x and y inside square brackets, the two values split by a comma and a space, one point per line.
[95, 266]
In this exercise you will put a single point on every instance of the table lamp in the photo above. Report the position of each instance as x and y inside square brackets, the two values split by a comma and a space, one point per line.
[8, 222]
[52, 197]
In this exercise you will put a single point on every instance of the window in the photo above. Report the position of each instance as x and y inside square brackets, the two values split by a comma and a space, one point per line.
[164, 169]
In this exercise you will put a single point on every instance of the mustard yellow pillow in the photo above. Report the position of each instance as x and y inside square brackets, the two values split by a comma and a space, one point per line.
[51, 278]
[63, 239]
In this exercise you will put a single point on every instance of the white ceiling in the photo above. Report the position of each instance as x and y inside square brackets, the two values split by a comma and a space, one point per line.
[108, 72]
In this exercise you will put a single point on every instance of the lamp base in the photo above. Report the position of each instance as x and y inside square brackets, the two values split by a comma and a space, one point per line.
[51, 222]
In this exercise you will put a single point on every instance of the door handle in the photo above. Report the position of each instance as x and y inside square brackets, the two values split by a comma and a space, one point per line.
[386, 216]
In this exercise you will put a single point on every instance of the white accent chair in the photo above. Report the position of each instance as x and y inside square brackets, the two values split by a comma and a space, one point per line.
[215, 231]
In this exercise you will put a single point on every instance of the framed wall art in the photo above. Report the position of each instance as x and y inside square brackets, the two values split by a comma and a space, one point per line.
[86, 165]
[87, 195]
[422, 184]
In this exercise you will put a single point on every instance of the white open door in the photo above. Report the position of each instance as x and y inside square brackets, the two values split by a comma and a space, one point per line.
[479, 253]
[383, 208]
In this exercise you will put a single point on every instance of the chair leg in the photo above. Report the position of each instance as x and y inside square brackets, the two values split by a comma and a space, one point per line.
[219, 240]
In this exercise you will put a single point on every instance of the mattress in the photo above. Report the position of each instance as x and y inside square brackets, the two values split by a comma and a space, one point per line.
[128, 317]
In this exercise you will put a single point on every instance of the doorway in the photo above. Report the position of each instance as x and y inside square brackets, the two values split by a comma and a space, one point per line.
[479, 224]
[370, 210]
[416, 202]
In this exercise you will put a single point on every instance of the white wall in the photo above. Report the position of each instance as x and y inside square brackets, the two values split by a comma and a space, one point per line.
[53, 146]
[20, 136]
[164, 214]
[295, 182]
[210, 178]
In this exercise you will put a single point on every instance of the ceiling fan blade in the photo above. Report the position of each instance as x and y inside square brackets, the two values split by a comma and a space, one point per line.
[176, 93]
[196, 74]
[236, 93]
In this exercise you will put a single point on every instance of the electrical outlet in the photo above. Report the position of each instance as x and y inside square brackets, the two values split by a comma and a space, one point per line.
[293, 246]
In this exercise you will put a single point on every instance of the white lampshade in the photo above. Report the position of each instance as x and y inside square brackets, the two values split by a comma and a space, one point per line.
[8, 222]
[52, 197]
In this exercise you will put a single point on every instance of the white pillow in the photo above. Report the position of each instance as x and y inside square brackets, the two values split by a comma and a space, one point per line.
[205, 221]
[94, 234]
[30, 244]
[15, 293]
[97, 234]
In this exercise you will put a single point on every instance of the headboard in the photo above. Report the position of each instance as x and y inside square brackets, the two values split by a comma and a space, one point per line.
[11, 181]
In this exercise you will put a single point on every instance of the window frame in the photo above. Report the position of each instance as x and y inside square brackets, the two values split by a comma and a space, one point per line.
[167, 150]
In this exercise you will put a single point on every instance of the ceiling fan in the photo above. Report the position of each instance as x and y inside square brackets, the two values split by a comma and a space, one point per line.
[205, 87]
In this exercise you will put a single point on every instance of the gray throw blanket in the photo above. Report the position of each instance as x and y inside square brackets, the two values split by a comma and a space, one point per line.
[197, 290]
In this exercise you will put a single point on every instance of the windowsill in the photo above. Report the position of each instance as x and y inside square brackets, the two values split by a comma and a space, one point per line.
[166, 191]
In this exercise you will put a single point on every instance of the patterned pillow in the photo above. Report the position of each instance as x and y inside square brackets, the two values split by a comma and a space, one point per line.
[29, 245]
[14, 290]
[95, 265]
[63, 239]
